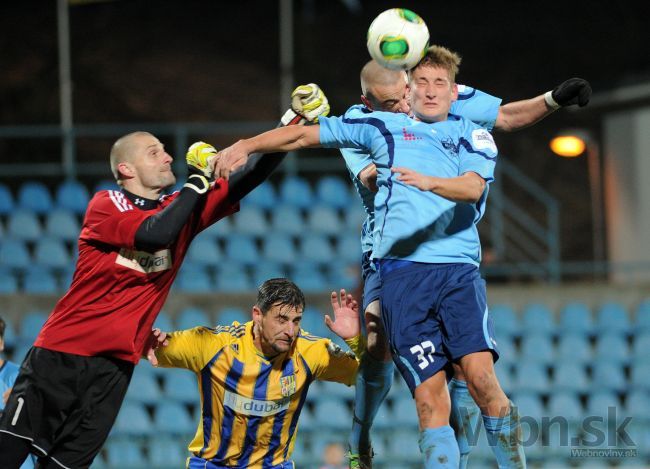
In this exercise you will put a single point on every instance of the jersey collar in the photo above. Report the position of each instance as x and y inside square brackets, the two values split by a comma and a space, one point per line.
[140, 202]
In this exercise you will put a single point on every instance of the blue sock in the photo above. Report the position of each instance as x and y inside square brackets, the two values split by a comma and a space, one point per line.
[374, 380]
[464, 419]
[504, 437]
[439, 448]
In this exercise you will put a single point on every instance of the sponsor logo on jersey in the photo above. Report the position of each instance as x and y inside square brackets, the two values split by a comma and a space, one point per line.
[254, 407]
[145, 262]
[288, 385]
[482, 139]
[409, 136]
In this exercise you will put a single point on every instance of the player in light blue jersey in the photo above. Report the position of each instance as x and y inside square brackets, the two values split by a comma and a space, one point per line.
[387, 90]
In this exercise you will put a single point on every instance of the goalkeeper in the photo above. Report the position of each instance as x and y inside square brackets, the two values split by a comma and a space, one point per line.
[73, 380]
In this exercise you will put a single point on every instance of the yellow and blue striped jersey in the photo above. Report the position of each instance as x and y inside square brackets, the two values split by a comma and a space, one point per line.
[250, 404]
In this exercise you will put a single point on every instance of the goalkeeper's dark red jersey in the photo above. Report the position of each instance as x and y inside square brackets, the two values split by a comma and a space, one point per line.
[117, 291]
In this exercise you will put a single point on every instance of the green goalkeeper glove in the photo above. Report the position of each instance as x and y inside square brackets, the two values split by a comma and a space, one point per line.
[308, 103]
[200, 158]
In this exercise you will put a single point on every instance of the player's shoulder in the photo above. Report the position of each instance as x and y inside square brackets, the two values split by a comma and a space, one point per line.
[356, 111]
[466, 91]
[110, 200]
[317, 349]
[228, 332]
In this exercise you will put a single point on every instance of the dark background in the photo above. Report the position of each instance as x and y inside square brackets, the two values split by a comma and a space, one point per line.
[170, 61]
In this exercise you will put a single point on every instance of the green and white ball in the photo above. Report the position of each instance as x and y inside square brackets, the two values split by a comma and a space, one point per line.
[398, 39]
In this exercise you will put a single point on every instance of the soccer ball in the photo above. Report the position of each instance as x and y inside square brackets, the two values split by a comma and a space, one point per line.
[398, 39]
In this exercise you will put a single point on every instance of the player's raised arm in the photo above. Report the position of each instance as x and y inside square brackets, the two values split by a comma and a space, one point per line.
[524, 113]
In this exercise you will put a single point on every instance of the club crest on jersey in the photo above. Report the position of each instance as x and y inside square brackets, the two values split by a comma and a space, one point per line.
[145, 262]
[449, 145]
[288, 385]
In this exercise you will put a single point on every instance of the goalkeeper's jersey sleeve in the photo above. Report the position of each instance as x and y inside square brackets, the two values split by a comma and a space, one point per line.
[250, 404]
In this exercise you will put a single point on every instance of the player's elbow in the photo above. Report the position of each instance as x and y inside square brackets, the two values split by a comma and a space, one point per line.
[474, 189]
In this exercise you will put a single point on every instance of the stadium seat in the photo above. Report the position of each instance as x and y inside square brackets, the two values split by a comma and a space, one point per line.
[196, 280]
[506, 323]
[242, 249]
[39, 282]
[641, 346]
[8, 283]
[404, 410]
[313, 321]
[288, 220]
[125, 454]
[164, 322]
[30, 325]
[324, 220]
[24, 224]
[14, 254]
[332, 414]
[537, 318]
[531, 377]
[570, 376]
[612, 348]
[537, 349]
[340, 275]
[229, 314]
[172, 418]
[62, 224]
[640, 375]
[573, 347]
[337, 390]
[279, 247]
[504, 376]
[204, 251]
[565, 404]
[133, 419]
[265, 270]
[403, 447]
[295, 191]
[316, 248]
[642, 317]
[10, 328]
[51, 253]
[250, 220]
[218, 230]
[309, 278]
[599, 401]
[166, 452]
[34, 196]
[192, 317]
[609, 376]
[637, 404]
[181, 386]
[106, 185]
[355, 215]
[263, 196]
[72, 195]
[576, 317]
[612, 317]
[530, 405]
[143, 387]
[348, 247]
[233, 278]
[7, 204]
[333, 192]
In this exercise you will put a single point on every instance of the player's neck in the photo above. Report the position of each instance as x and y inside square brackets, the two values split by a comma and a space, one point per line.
[257, 341]
[144, 192]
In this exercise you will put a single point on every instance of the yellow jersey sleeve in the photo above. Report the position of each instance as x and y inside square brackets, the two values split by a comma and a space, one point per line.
[329, 362]
[193, 348]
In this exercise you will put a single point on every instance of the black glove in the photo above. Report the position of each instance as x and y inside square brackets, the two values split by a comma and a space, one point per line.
[572, 91]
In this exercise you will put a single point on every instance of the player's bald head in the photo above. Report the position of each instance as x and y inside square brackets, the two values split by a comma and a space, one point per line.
[373, 75]
[124, 149]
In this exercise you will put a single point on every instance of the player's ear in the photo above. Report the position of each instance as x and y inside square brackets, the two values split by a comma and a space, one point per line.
[257, 314]
[366, 102]
[454, 91]
[126, 170]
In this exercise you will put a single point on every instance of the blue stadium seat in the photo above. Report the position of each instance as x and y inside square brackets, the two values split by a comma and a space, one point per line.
[403, 447]
[8, 283]
[324, 220]
[296, 191]
[530, 405]
[204, 251]
[640, 375]
[62, 224]
[24, 224]
[172, 418]
[65, 277]
[125, 454]
[355, 215]
[538, 318]
[10, 328]
[570, 376]
[531, 377]
[194, 280]
[313, 321]
[166, 452]
[7, 204]
[333, 192]
[609, 376]
[181, 386]
[164, 322]
[40, 282]
[279, 247]
[612, 317]
[637, 404]
[642, 317]
[565, 404]
[599, 401]
[242, 249]
[612, 348]
[72, 195]
[287, 219]
[316, 248]
[218, 230]
[641, 346]
[144, 388]
[337, 390]
[263, 196]
[346, 276]
[192, 317]
[507, 350]
[506, 323]
[106, 185]
[576, 317]
[14, 254]
[229, 314]
[250, 220]
[262, 271]
[404, 410]
[348, 247]
[537, 349]
[332, 414]
[133, 419]
[35, 197]
[309, 278]
[51, 253]
[30, 325]
[574, 347]
[504, 376]
[233, 278]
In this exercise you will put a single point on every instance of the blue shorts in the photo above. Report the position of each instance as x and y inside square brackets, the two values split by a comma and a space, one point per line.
[371, 283]
[433, 314]
[199, 463]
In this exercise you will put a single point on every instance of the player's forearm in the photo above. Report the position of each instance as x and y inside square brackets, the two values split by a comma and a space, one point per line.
[293, 137]
[464, 189]
[520, 114]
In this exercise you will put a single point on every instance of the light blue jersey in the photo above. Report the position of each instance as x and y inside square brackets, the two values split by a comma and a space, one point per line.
[411, 224]
[475, 105]
[8, 374]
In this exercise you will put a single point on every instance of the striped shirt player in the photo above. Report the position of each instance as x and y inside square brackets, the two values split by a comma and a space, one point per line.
[251, 400]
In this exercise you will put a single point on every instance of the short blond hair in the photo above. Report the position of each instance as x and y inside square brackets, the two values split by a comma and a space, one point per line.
[121, 151]
[438, 56]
